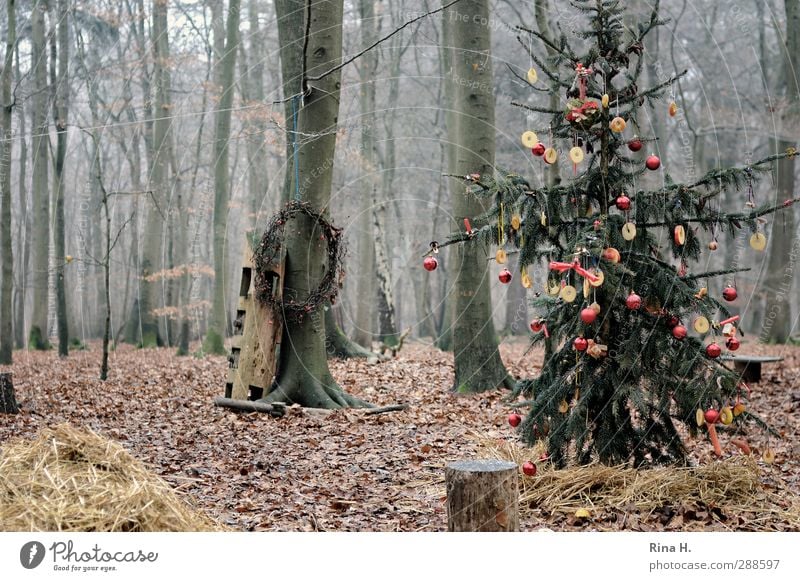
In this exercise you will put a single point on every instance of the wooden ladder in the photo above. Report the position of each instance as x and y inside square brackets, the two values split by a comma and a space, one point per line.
[257, 330]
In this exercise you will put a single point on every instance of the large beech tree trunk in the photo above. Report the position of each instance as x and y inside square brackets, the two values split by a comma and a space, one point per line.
[778, 322]
[303, 374]
[478, 366]
[37, 337]
[60, 113]
[6, 270]
[226, 64]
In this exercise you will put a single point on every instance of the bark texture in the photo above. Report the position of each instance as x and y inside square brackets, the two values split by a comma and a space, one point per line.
[482, 496]
[478, 366]
[6, 252]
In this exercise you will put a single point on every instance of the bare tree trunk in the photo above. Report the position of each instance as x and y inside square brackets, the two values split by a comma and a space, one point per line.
[226, 63]
[37, 337]
[7, 270]
[783, 253]
[478, 366]
[61, 117]
[303, 375]
[24, 230]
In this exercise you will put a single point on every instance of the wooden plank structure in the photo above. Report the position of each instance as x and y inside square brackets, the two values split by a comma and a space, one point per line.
[257, 331]
[749, 366]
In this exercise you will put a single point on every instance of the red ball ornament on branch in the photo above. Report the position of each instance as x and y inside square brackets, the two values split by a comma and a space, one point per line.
[588, 315]
[537, 325]
[729, 294]
[635, 144]
[633, 302]
[711, 416]
[580, 344]
[529, 468]
[430, 263]
[713, 350]
[732, 343]
[538, 149]
[514, 419]
[679, 332]
[505, 276]
[671, 321]
[653, 162]
[623, 202]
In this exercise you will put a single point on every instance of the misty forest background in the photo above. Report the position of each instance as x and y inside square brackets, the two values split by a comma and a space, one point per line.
[148, 138]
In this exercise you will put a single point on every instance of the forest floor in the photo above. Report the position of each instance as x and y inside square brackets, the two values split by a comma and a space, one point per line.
[339, 471]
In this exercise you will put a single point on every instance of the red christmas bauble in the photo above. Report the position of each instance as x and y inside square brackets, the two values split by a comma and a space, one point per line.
[729, 294]
[623, 202]
[713, 350]
[679, 332]
[580, 344]
[529, 468]
[538, 149]
[671, 321]
[653, 163]
[588, 315]
[514, 420]
[505, 276]
[634, 144]
[633, 302]
[430, 263]
[732, 343]
[537, 325]
[711, 416]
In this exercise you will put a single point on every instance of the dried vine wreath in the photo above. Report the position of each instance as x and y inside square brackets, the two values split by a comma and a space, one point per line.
[268, 252]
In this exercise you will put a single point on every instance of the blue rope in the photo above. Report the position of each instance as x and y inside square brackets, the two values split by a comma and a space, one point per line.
[294, 146]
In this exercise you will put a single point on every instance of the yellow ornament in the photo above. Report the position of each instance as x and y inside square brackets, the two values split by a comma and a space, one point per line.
[587, 288]
[68, 258]
[600, 278]
[701, 293]
[533, 76]
[582, 513]
[563, 407]
[550, 155]
[726, 415]
[553, 289]
[769, 456]
[595, 307]
[617, 125]
[679, 235]
[738, 409]
[673, 109]
[758, 241]
[699, 417]
[516, 222]
[604, 100]
[529, 139]
[568, 293]
[543, 219]
[500, 256]
[526, 280]
[576, 155]
[701, 325]
[629, 231]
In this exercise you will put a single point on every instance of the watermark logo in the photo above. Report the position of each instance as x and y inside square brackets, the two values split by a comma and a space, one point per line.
[31, 554]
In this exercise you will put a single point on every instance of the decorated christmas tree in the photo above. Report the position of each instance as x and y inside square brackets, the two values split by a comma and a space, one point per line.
[633, 338]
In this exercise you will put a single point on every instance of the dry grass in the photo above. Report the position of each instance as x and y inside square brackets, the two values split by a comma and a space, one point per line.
[733, 486]
[72, 479]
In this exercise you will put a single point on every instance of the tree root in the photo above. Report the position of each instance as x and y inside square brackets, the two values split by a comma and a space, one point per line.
[326, 395]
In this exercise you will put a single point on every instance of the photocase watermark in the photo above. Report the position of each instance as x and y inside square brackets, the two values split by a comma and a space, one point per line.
[31, 554]
[66, 557]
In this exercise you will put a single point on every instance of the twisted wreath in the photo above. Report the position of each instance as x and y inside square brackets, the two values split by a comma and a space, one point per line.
[267, 255]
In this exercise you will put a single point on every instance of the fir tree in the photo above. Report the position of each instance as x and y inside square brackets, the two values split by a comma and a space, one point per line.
[633, 338]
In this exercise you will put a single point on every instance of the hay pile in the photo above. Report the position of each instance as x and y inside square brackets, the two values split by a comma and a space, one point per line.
[75, 480]
[733, 486]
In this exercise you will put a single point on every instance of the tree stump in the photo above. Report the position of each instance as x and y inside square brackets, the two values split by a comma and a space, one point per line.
[482, 496]
[8, 401]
